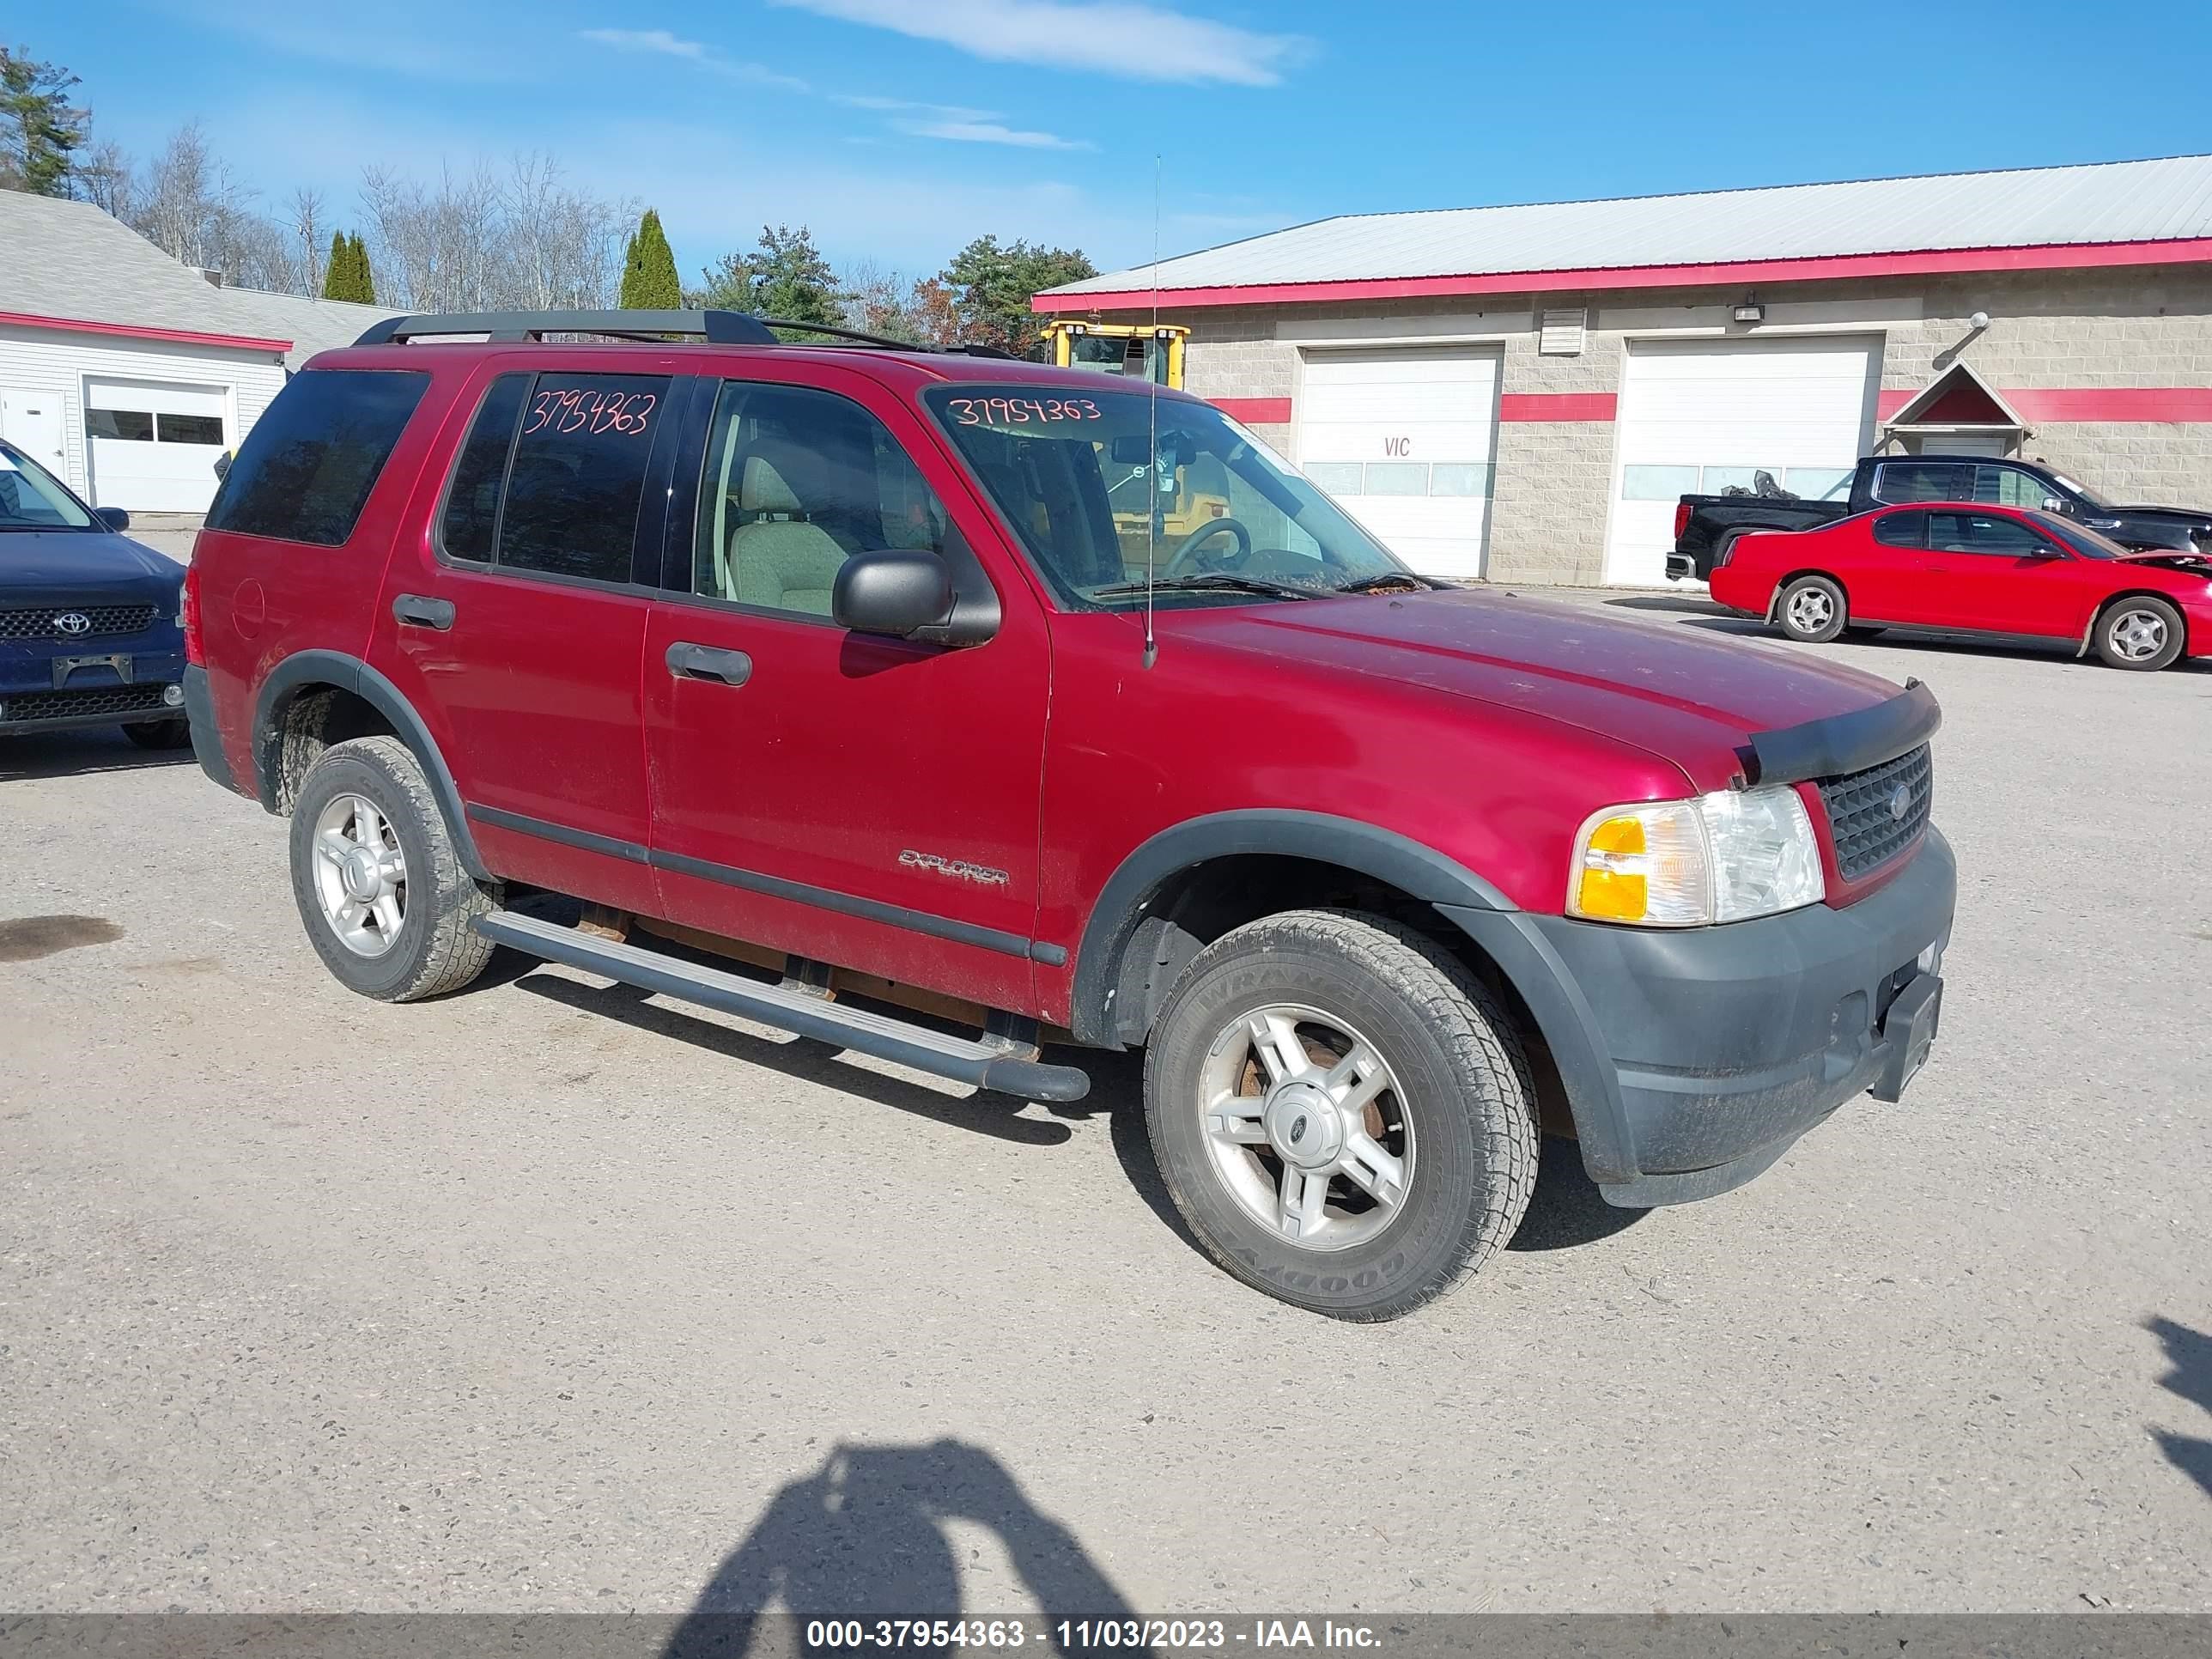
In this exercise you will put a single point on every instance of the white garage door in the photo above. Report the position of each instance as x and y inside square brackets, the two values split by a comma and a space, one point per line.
[154, 444]
[1702, 417]
[1405, 438]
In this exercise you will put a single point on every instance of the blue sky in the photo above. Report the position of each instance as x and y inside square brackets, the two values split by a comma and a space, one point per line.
[898, 129]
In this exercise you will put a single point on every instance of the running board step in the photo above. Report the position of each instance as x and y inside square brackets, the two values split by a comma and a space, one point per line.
[986, 1065]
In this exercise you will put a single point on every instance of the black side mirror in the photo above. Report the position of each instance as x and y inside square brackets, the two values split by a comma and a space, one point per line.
[2047, 550]
[898, 592]
[111, 518]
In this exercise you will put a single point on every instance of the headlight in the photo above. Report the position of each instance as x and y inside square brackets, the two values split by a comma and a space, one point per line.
[1727, 856]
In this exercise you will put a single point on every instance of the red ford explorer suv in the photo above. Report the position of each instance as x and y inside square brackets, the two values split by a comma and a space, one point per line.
[823, 680]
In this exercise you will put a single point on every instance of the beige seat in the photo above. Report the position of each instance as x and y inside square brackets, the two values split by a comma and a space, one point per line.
[776, 557]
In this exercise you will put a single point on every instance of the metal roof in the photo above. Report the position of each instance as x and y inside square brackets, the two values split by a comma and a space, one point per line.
[70, 261]
[2163, 200]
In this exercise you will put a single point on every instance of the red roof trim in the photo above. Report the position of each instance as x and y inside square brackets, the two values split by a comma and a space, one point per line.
[2081, 256]
[133, 331]
[2182, 404]
[1254, 411]
[1557, 405]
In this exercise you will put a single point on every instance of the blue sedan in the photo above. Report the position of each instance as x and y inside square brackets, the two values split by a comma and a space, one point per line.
[90, 633]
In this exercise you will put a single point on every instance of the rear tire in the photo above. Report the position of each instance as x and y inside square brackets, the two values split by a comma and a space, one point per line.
[1373, 1149]
[160, 734]
[2140, 633]
[1811, 609]
[379, 886]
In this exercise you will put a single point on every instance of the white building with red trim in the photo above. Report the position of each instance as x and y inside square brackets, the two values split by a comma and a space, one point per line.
[126, 372]
[1523, 392]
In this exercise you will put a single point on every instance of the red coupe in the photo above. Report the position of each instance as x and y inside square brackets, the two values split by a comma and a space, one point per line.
[1974, 569]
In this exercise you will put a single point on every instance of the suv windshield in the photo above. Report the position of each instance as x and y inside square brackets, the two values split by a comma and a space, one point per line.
[32, 498]
[1089, 481]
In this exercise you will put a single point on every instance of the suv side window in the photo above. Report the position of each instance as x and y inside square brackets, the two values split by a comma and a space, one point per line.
[469, 526]
[1901, 530]
[1919, 480]
[1978, 533]
[2007, 486]
[577, 477]
[305, 471]
[798, 480]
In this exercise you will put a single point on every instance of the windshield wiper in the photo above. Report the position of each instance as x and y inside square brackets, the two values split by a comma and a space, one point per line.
[1388, 579]
[1219, 581]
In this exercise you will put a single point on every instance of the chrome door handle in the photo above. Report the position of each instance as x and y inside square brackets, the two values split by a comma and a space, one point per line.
[700, 662]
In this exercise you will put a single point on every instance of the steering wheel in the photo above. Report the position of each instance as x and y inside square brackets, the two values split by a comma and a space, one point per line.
[1190, 544]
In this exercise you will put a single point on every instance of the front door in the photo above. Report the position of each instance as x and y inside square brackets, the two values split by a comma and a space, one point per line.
[519, 637]
[1993, 573]
[870, 803]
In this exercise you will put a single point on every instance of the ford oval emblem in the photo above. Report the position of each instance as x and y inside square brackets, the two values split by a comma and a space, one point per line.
[1900, 803]
[72, 622]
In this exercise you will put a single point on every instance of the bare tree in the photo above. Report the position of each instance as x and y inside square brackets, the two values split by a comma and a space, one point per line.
[307, 227]
[878, 299]
[564, 248]
[435, 249]
[102, 176]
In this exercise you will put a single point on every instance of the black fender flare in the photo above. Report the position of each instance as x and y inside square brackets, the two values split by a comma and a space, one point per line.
[1477, 908]
[351, 674]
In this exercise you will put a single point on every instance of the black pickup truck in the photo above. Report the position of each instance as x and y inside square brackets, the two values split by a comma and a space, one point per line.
[1705, 525]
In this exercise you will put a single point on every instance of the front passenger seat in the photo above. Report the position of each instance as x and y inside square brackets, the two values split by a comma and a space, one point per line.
[782, 560]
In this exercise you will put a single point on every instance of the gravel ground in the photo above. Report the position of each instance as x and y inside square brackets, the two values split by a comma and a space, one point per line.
[549, 1296]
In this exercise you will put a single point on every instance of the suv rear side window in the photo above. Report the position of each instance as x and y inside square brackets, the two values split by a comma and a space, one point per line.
[552, 474]
[1920, 481]
[305, 471]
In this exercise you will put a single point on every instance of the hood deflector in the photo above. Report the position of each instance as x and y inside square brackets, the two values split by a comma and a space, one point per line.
[1843, 743]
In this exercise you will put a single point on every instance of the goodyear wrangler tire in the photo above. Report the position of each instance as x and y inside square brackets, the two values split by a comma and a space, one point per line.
[1341, 1113]
[386, 904]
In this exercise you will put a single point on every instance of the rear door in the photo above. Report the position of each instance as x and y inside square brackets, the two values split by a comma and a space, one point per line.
[867, 802]
[518, 630]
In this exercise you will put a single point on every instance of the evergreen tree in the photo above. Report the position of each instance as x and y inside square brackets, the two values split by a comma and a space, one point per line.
[991, 288]
[649, 281]
[39, 128]
[336, 272]
[784, 276]
[349, 277]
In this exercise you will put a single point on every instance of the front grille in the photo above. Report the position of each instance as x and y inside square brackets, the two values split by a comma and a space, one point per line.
[1868, 830]
[62, 705]
[40, 624]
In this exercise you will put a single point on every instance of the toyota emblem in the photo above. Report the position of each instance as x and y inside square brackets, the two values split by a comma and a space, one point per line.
[1900, 803]
[72, 622]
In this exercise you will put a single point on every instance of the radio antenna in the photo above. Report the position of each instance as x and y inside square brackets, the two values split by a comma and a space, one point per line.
[1157, 359]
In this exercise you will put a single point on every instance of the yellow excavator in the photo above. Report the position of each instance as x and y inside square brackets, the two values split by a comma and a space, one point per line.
[1142, 351]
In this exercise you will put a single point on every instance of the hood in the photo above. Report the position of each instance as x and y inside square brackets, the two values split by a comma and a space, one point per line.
[83, 566]
[1690, 694]
[2187, 564]
[2195, 517]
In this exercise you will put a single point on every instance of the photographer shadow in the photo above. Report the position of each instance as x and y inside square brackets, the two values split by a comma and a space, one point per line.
[864, 1537]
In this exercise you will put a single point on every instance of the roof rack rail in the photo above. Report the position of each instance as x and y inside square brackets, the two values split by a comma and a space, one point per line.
[717, 327]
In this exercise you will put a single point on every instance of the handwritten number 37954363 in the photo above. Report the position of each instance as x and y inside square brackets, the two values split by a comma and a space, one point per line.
[561, 413]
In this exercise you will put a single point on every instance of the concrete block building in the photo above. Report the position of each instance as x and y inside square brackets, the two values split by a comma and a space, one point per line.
[1523, 392]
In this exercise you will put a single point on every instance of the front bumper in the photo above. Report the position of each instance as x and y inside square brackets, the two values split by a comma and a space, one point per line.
[1693, 1059]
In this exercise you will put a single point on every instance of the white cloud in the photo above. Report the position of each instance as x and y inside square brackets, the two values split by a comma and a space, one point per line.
[1125, 38]
[989, 132]
[662, 42]
[941, 112]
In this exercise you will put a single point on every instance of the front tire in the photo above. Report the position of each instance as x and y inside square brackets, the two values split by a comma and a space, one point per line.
[1341, 1112]
[2140, 633]
[1811, 609]
[379, 886]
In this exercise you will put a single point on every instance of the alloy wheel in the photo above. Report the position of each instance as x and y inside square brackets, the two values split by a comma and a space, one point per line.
[361, 875]
[1306, 1128]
